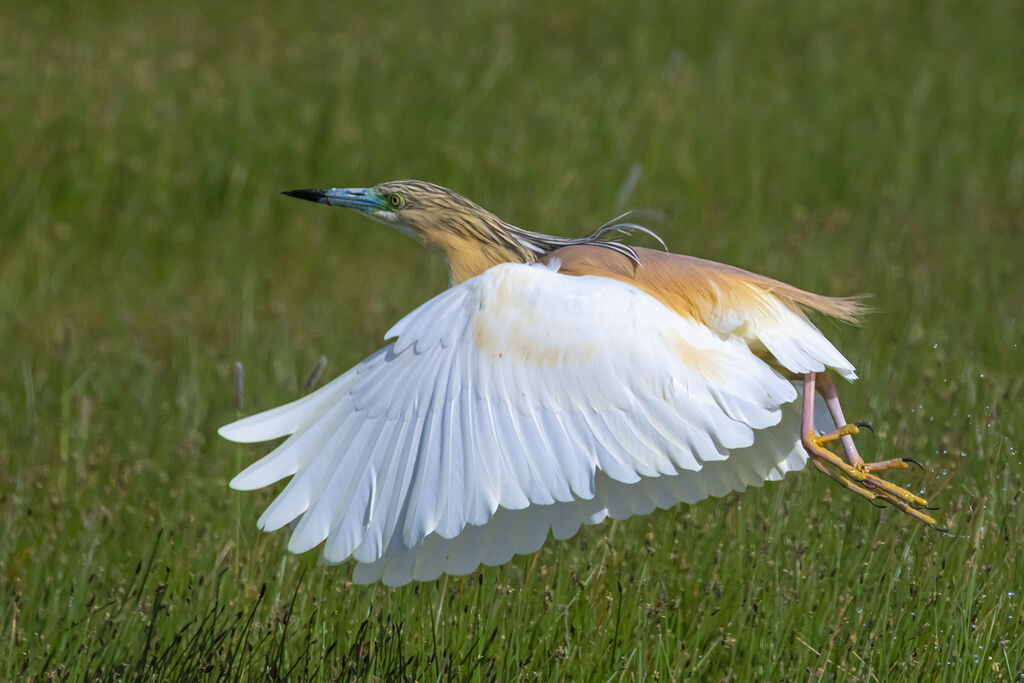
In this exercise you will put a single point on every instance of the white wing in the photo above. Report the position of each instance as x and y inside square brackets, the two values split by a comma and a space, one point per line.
[518, 401]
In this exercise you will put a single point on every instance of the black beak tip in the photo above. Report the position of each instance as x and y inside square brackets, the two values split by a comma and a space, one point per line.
[308, 195]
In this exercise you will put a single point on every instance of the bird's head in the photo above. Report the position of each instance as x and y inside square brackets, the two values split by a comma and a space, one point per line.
[471, 238]
[425, 211]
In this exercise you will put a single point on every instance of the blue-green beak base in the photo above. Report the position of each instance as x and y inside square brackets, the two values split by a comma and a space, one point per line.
[358, 198]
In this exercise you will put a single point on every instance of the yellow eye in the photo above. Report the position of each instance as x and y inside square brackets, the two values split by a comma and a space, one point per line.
[396, 200]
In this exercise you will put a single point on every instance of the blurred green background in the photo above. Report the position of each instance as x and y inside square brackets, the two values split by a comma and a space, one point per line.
[144, 249]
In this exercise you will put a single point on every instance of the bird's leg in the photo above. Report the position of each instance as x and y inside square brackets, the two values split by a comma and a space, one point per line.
[855, 475]
[828, 392]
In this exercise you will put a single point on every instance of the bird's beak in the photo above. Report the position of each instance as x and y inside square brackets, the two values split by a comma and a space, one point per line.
[358, 198]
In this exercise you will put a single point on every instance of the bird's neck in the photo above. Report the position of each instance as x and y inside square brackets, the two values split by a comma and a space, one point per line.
[474, 248]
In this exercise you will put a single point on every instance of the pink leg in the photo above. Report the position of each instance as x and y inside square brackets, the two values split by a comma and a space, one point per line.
[818, 455]
[828, 392]
[808, 414]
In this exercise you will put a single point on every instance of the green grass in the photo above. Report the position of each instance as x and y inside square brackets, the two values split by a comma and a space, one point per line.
[144, 250]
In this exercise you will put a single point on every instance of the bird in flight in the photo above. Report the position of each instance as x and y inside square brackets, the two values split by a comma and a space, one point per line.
[557, 382]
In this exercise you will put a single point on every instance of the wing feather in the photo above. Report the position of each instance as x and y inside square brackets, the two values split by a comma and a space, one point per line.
[520, 402]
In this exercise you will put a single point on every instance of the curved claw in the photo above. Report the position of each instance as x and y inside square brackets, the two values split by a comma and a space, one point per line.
[913, 462]
[865, 425]
[881, 505]
[933, 509]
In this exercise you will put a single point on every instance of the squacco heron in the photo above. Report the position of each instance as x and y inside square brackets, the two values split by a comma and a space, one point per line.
[557, 382]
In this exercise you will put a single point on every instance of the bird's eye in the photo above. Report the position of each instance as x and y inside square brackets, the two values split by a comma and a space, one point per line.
[396, 200]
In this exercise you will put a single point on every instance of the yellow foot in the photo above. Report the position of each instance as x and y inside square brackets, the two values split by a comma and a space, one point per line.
[861, 478]
[845, 430]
